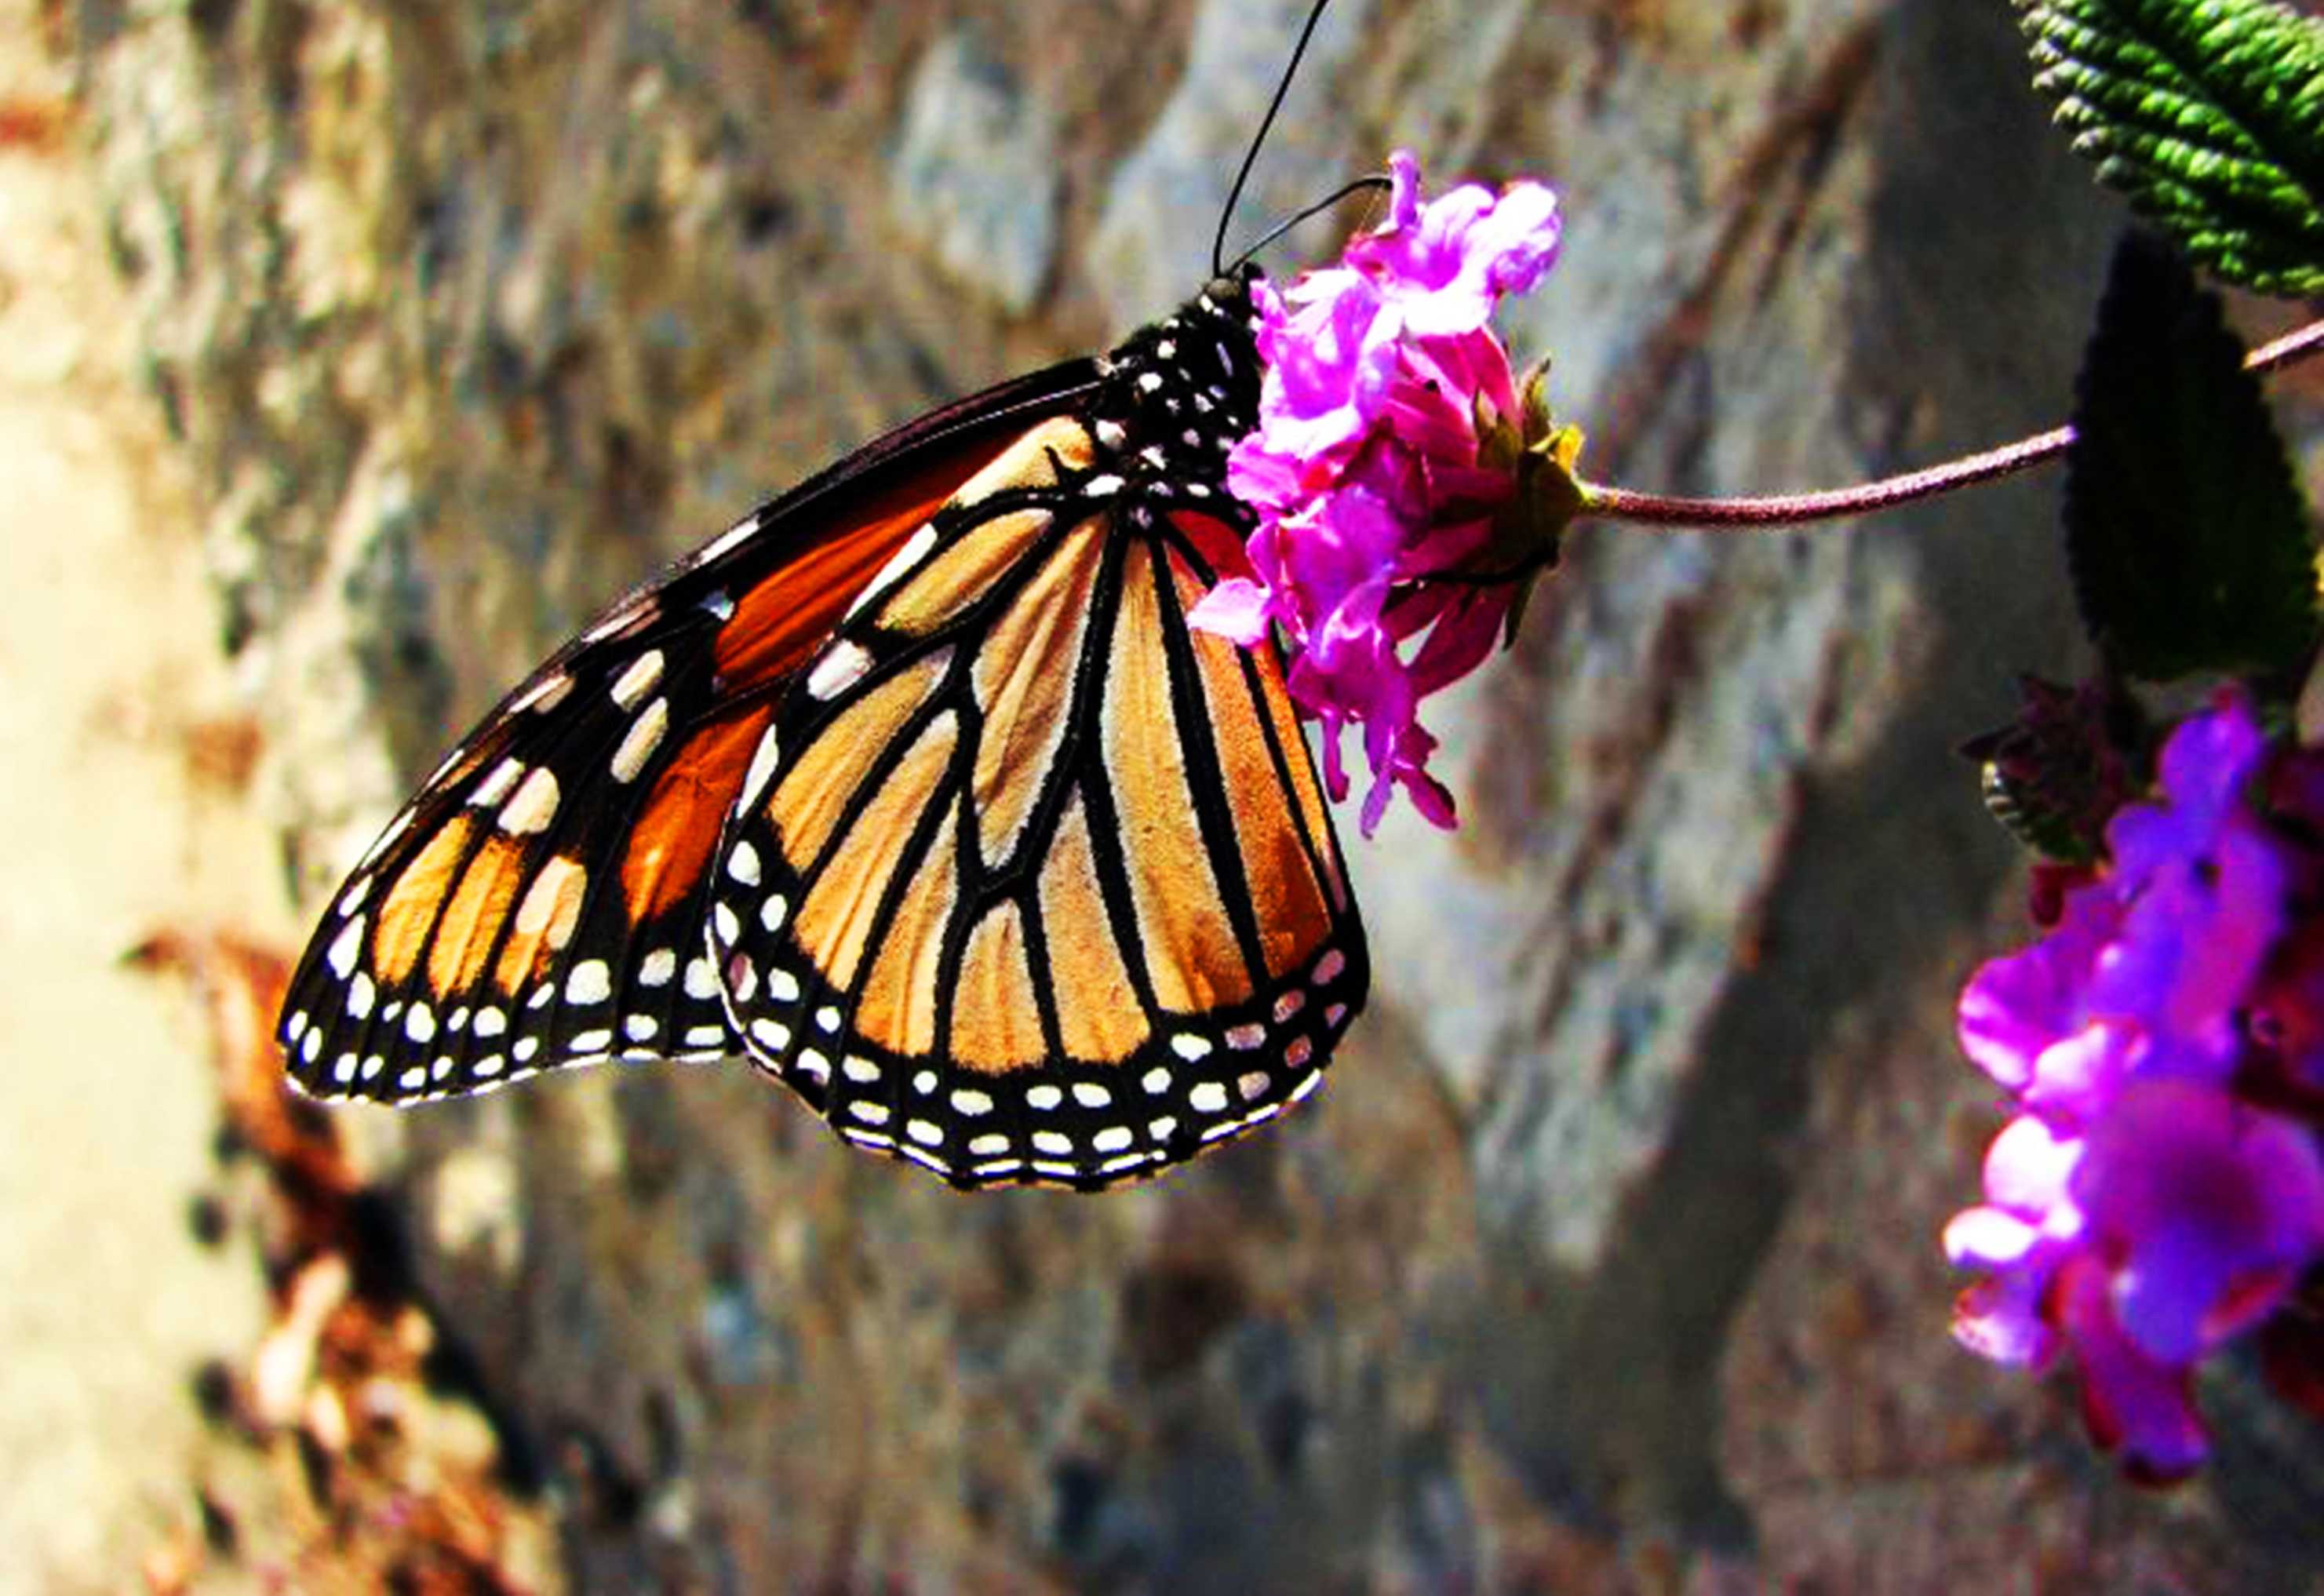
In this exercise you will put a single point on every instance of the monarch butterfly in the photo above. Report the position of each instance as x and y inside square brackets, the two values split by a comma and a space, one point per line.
[916, 788]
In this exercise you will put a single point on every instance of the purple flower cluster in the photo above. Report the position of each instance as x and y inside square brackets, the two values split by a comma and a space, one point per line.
[1366, 472]
[2155, 1192]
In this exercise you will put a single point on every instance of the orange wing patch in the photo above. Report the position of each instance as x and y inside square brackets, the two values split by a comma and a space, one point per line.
[473, 919]
[837, 918]
[822, 786]
[545, 921]
[963, 572]
[996, 1019]
[676, 833]
[1024, 677]
[1292, 921]
[1098, 1011]
[1192, 959]
[408, 911]
[1305, 788]
[898, 1009]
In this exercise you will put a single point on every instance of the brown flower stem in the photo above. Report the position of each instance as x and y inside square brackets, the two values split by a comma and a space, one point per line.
[1781, 509]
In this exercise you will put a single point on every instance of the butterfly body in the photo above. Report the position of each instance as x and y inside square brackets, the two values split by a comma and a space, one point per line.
[916, 788]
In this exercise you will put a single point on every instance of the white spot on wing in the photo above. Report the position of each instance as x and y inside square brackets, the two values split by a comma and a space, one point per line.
[914, 551]
[590, 983]
[743, 864]
[544, 694]
[842, 665]
[733, 537]
[344, 948]
[629, 618]
[639, 742]
[638, 680]
[764, 759]
[533, 806]
[659, 966]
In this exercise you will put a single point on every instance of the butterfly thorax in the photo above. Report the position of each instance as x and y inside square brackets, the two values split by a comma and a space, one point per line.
[1178, 395]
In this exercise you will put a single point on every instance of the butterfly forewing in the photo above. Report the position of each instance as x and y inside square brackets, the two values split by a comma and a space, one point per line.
[541, 901]
[1037, 882]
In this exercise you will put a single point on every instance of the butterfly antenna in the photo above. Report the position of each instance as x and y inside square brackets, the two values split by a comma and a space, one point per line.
[1251, 156]
[1375, 181]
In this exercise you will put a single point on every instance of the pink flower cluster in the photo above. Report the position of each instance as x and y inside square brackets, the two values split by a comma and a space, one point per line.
[1366, 475]
[2160, 1188]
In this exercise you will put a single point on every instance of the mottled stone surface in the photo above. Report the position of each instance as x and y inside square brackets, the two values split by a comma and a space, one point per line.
[1608, 1261]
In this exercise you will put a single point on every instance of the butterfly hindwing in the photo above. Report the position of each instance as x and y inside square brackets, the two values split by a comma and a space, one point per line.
[1034, 881]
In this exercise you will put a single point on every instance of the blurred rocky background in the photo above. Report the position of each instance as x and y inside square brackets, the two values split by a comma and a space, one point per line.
[1607, 1263]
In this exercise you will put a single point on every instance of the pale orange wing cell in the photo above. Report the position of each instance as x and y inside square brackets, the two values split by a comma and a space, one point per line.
[841, 913]
[996, 1018]
[1097, 1008]
[1279, 862]
[1193, 961]
[1024, 677]
[898, 1009]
